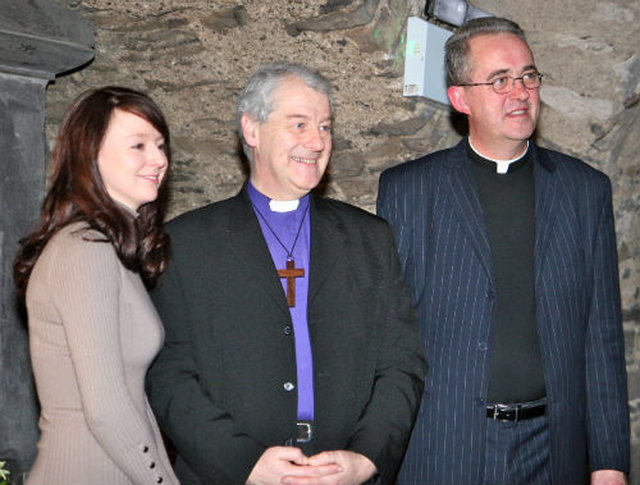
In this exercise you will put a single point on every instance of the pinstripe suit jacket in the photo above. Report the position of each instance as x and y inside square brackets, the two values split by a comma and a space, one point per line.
[433, 205]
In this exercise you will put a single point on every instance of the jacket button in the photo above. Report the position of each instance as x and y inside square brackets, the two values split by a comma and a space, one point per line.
[288, 386]
[159, 480]
[152, 464]
[288, 330]
[491, 294]
[482, 346]
[145, 449]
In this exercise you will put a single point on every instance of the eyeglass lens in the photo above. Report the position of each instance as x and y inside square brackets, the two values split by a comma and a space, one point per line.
[507, 83]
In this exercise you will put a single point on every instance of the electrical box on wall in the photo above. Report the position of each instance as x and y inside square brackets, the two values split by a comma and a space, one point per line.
[424, 72]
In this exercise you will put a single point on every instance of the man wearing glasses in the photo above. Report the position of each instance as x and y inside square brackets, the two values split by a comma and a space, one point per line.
[509, 253]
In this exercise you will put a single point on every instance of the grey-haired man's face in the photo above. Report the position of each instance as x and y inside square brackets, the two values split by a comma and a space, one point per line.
[291, 148]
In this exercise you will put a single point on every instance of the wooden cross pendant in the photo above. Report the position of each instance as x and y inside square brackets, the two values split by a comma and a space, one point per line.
[291, 273]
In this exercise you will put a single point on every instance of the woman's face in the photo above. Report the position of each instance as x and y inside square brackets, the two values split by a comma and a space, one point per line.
[131, 160]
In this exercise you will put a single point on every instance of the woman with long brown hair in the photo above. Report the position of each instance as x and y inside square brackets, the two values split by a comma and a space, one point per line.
[93, 330]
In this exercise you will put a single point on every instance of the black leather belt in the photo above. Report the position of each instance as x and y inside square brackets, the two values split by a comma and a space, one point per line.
[514, 412]
[305, 431]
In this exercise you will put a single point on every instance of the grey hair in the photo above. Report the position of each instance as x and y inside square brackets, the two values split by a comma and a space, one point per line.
[256, 99]
[457, 46]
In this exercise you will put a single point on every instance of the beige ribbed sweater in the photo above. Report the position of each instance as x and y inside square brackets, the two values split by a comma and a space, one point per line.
[93, 332]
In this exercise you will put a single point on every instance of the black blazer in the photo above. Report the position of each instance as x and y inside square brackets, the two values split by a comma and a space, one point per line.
[217, 385]
[433, 206]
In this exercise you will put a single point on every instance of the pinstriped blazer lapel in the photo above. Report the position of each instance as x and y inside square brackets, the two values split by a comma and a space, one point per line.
[466, 203]
[548, 198]
[251, 251]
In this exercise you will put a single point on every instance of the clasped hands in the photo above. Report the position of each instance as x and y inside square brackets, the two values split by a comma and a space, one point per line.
[287, 465]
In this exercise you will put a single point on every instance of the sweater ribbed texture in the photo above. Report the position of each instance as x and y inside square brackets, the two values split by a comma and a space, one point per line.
[93, 332]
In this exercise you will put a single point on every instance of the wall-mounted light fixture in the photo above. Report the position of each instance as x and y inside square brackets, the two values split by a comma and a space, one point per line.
[454, 12]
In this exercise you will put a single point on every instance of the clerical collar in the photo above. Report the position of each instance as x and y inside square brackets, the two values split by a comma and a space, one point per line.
[283, 205]
[279, 206]
[498, 166]
[501, 166]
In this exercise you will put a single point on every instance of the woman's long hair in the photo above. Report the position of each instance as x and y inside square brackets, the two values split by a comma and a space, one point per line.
[77, 191]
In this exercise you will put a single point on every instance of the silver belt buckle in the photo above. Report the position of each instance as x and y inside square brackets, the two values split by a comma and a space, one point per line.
[497, 409]
[495, 412]
[307, 429]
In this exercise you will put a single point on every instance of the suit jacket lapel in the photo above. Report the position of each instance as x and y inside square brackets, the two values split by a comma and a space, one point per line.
[326, 239]
[547, 201]
[328, 260]
[462, 190]
[251, 251]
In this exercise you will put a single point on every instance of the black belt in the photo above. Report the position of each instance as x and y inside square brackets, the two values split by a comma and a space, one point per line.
[305, 431]
[514, 412]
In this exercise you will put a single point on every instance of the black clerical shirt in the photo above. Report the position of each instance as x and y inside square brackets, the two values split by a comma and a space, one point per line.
[508, 205]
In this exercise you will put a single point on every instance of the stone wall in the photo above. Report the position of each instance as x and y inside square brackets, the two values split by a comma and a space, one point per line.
[38, 39]
[193, 56]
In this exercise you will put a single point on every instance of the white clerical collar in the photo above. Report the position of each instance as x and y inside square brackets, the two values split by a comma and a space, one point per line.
[502, 166]
[284, 205]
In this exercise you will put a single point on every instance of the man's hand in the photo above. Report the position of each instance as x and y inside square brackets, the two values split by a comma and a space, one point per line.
[608, 477]
[280, 461]
[352, 468]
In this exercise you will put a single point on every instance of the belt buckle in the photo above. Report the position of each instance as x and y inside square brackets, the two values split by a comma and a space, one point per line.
[304, 432]
[496, 409]
[503, 412]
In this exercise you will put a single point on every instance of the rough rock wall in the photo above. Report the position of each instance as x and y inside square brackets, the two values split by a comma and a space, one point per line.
[193, 57]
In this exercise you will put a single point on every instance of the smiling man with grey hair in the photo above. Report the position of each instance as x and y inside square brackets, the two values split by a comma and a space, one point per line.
[292, 352]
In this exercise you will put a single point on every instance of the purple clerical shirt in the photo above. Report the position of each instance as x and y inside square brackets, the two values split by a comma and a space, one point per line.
[286, 225]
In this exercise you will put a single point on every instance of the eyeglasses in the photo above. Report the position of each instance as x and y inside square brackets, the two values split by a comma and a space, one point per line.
[505, 84]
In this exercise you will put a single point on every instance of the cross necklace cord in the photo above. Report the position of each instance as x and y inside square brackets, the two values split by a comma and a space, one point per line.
[290, 272]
